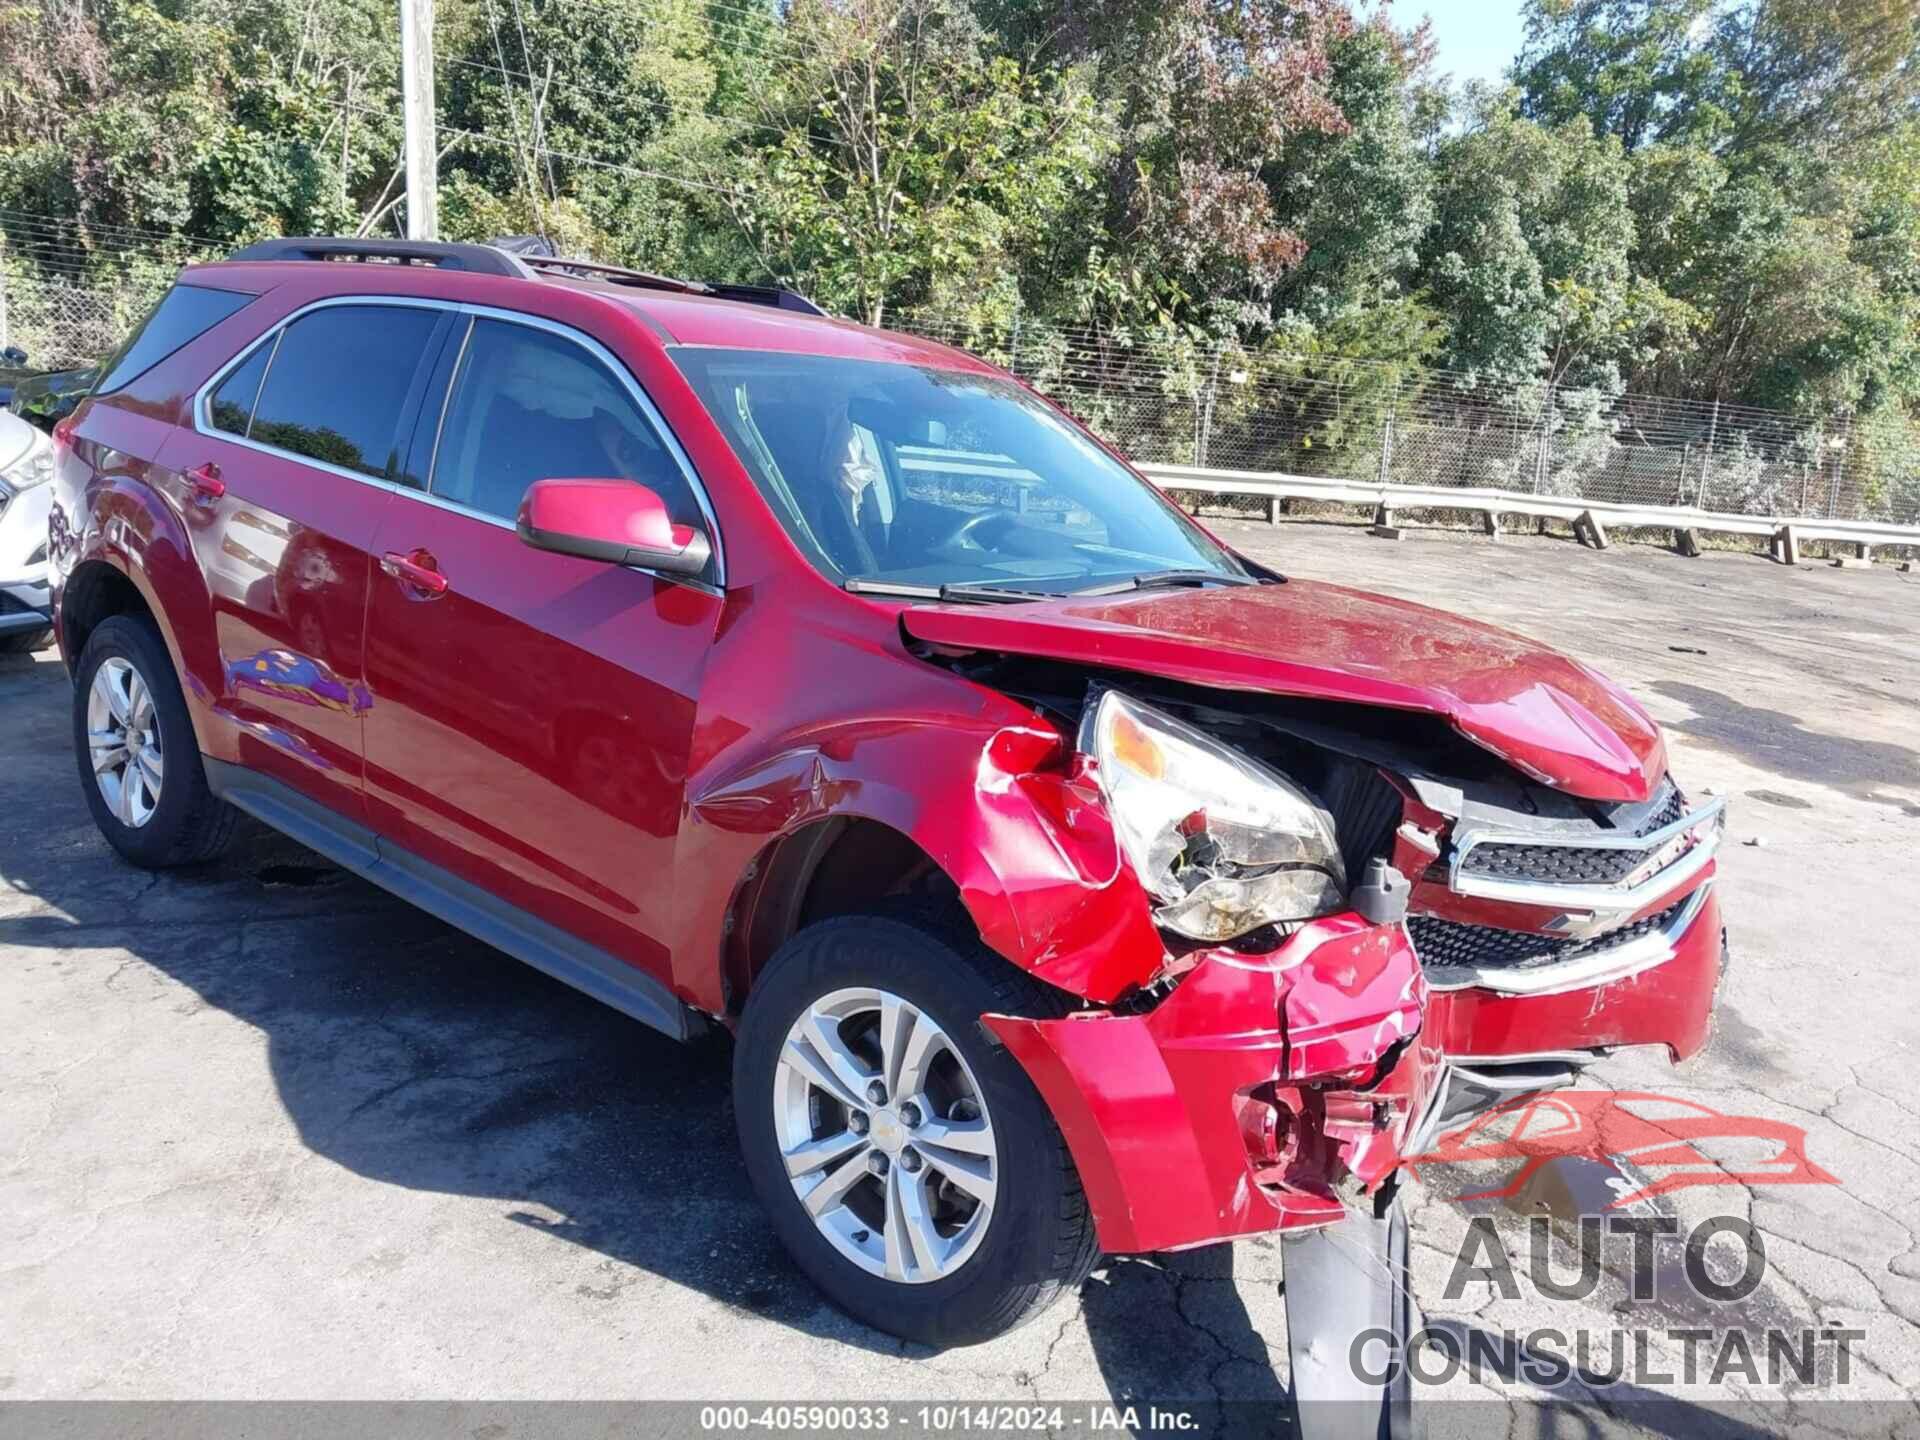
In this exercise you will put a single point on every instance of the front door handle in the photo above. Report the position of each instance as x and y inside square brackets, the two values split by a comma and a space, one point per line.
[205, 482]
[417, 570]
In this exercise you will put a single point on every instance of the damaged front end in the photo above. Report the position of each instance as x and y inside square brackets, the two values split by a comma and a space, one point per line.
[1297, 1036]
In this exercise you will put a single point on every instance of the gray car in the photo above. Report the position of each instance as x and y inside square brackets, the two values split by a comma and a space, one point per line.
[26, 465]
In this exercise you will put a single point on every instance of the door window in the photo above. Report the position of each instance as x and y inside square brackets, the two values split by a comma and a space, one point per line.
[339, 381]
[530, 405]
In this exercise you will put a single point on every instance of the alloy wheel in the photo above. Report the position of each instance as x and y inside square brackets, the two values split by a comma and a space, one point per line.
[123, 741]
[885, 1135]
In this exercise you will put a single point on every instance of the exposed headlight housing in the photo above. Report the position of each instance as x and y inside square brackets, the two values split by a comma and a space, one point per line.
[1223, 843]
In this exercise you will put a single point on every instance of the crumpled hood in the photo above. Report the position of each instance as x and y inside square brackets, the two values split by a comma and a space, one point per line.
[1547, 715]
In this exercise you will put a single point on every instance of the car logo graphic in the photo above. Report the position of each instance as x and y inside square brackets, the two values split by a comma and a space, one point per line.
[1675, 1144]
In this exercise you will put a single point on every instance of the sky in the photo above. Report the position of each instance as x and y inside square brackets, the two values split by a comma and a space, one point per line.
[1476, 38]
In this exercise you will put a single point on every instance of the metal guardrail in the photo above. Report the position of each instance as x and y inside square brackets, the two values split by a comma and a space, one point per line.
[1590, 518]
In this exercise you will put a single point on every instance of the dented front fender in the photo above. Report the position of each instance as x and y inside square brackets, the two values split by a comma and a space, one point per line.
[991, 793]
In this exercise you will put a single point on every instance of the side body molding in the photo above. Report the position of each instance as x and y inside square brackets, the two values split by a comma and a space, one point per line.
[593, 971]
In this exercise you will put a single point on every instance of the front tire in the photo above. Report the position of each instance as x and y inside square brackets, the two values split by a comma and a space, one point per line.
[139, 762]
[904, 1157]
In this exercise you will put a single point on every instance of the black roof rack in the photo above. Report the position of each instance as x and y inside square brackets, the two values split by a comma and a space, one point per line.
[477, 259]
[494, 260]
[616, 274]
[773, 295]
[620, 275]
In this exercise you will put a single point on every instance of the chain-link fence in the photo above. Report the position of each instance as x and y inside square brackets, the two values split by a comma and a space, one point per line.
[62, 325]
[1195, 403]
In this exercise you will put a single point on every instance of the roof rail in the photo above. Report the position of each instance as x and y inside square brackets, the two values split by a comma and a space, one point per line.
[493, 260]
[616, 274]
[620, 275]
[777, 296]
[477, 259]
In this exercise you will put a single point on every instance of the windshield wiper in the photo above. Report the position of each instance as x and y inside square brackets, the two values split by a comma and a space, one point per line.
[982, 591]
[1168, 580]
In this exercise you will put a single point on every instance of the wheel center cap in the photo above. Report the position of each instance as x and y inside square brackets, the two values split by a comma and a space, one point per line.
[887, 1132]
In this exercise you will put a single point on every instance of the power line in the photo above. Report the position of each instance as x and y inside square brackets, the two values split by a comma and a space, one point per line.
[61, 225]
[638, 171]
[738, 122]
[513, 113]
[538, 108]
[635, 170]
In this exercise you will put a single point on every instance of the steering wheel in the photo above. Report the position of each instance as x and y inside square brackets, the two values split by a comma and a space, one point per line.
[970, 529]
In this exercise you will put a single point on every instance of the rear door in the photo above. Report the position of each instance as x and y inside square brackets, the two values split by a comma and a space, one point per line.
[534, 712]
[293, 456]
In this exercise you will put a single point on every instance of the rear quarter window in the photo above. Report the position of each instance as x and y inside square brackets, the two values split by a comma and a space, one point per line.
[185, 313]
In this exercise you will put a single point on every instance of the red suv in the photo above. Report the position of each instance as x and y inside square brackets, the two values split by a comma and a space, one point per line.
[1068, 881]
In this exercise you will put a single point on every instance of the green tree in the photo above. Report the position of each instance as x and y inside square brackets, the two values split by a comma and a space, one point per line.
[1529, 256]
[1361, 199]
[1641, 70]
[904, 155]
[1812, 72]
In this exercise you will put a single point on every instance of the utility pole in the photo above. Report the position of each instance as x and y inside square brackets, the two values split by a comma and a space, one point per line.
[416, 81]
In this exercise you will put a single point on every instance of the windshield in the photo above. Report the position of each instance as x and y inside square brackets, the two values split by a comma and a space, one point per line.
[893, 475]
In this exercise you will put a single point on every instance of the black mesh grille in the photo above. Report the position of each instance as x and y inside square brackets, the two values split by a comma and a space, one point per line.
[1449, 943]
[1570, 864]
[1675, 807]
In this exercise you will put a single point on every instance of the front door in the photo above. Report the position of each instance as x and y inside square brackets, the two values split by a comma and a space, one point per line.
[533, 712]
[287, 469]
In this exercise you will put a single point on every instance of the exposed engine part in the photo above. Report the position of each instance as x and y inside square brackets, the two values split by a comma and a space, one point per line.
[1382, 893]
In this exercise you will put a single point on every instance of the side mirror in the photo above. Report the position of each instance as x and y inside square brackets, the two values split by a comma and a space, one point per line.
[13, 355]
[618, 521]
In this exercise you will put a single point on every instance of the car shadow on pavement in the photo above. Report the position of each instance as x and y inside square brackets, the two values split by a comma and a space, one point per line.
[1782, 743]
[1176, 1327]
[416, 1056]
[407, 1052]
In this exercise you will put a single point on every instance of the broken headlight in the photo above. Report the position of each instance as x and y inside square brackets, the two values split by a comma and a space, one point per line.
[1223, 843]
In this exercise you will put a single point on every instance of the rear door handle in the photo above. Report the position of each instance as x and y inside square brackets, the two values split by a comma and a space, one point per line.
[416, 570]
[205, 482]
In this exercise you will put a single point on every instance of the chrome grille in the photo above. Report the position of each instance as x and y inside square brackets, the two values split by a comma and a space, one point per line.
[1449, 944]
[1569, 864]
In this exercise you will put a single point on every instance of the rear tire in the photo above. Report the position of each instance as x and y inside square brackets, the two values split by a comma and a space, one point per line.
[173, 819]
[1036, 1240]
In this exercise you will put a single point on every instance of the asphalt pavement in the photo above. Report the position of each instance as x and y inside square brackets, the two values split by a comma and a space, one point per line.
[267, 1133]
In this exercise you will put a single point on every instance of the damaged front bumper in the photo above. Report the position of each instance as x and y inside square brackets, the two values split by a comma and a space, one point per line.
[1654, 987]
[1254, 1092]
[1267, 1091]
